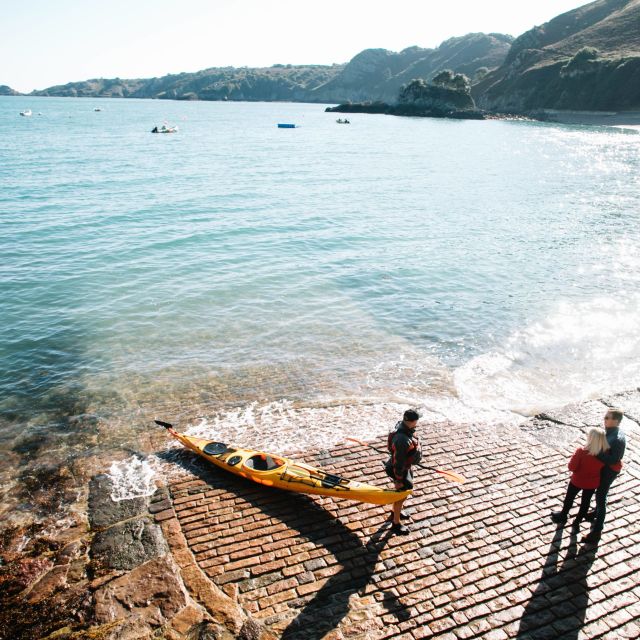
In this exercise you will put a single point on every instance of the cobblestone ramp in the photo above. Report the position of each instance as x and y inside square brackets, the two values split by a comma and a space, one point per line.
[483, 559]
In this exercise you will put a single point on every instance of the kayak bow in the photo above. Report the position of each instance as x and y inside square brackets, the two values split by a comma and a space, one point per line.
[282, 473]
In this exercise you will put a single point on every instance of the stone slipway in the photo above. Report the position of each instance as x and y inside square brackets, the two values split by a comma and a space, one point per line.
[483, 559]
[212, 556]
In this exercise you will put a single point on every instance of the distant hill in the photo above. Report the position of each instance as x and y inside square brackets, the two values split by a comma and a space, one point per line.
[585, 59]
[374, 74]
[378, 74]
[279, 82]
[8, 91]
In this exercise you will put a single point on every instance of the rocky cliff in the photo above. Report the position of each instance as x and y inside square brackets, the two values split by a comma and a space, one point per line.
[585, 59]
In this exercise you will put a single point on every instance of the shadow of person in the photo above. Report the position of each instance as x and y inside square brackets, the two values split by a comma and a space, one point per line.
[357, 559]
[331, 604]
[558, 606]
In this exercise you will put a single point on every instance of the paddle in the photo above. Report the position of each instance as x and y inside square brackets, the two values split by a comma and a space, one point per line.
[452, 476]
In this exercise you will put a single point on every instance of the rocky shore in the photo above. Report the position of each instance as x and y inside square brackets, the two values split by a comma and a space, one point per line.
[210, 555]
[591, 118]
[419, 111]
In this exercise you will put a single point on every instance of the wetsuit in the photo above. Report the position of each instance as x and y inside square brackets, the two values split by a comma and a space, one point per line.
[404, 447]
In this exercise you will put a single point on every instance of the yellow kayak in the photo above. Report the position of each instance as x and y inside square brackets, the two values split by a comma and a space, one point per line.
[283, 473]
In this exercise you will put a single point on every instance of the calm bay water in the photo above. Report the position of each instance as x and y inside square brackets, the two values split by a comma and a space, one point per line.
[269, 285]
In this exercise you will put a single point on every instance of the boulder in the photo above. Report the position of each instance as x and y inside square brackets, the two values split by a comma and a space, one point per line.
[103, 511]
[127, 545]
[153, 592]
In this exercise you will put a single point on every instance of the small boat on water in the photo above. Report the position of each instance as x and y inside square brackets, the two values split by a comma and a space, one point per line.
[26, 112]
[164, 129]
[283, 473]
[341, 121]
[286, 125]
[97, 108]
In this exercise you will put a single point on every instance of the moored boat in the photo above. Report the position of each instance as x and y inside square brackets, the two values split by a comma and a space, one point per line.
[26, 112]
[164, 129]
[283, 473]
[286, 125]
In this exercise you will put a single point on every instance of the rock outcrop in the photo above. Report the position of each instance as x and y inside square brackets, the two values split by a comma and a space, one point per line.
[450, 98]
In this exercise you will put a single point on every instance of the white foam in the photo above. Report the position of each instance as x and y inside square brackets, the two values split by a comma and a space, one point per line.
[580, 351]
[285, 426]
[132, 478]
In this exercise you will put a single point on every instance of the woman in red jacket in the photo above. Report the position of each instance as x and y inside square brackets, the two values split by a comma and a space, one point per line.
[585, 477]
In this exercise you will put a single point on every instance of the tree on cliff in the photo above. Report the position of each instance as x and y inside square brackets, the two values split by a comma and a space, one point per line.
[450, 80]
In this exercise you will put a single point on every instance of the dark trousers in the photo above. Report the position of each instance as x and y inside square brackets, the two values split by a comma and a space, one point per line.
[572, 492]
[607, 476]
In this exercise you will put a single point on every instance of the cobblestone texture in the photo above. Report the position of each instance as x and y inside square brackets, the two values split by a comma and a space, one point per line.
[483, 559]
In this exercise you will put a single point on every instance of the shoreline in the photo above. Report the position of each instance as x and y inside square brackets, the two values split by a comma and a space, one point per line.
[587, 118]
[596, 118]
[175, 562]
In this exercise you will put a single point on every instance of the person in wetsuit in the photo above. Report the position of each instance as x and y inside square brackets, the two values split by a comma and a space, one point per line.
[404, 447]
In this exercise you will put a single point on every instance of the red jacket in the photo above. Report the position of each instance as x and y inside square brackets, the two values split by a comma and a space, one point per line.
[586, 469]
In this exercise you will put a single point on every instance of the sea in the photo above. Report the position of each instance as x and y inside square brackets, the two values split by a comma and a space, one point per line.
[283, 288]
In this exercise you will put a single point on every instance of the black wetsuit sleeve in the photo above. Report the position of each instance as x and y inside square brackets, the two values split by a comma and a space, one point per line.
[615, 453]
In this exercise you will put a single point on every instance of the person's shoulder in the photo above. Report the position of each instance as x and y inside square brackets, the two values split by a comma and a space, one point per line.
[401, 435]
[619, 435]
[581, 453]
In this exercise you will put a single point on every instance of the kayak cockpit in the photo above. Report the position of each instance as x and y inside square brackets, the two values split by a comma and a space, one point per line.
[263, 462]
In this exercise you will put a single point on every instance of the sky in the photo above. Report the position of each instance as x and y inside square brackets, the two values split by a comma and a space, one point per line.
[49, 42]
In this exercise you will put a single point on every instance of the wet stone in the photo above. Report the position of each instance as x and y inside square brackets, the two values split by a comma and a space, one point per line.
[585, 414]
[127, 545]
[628, 402]
[19, 574]
[152, 591]
[104, 512]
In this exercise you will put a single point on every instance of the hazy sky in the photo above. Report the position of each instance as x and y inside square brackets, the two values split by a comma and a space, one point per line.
[48, 42]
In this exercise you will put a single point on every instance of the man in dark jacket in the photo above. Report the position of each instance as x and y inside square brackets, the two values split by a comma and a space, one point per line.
[404, 447]
[612, 465]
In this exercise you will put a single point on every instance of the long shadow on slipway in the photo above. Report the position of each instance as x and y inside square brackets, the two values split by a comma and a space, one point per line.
[301, 513]
[558, 606]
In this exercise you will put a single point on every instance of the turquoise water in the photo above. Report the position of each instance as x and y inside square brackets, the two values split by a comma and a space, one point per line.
[272, 284]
